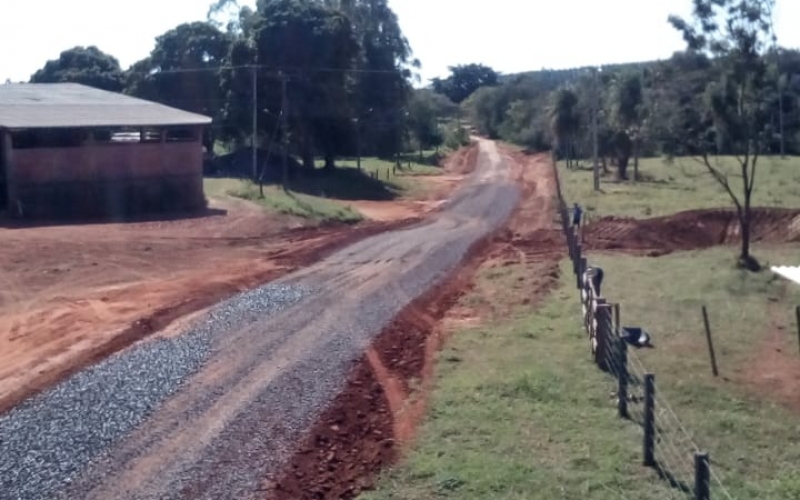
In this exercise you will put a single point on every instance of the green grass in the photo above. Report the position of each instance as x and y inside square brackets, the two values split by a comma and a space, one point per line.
[683, 185]
[276, 200]
[520, 411]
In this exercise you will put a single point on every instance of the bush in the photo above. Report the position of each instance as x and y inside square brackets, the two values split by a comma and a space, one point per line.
[456, 137]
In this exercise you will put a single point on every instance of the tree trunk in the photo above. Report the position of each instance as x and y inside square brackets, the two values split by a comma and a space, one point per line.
[746, 260]
[744, 227]
[330, 161]
[308, 153]
[622, 167]
[308, 157]
[208, 143]
[635, 162]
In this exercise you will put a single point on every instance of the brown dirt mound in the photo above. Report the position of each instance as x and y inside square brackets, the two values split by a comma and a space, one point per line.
[695, 229]
[464, 160]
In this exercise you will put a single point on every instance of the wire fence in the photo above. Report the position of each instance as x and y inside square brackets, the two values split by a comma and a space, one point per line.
[667, 445]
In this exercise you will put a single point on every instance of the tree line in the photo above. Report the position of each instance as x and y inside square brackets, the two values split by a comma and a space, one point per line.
[643, 109]
[324, 77]
[733, 92]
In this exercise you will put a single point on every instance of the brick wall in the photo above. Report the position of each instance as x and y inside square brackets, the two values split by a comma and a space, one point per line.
[115, 180]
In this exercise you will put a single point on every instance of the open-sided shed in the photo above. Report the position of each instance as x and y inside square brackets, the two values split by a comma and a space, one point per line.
[68, 150]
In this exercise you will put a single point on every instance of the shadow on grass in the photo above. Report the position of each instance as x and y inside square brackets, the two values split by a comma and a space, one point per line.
[313, 212]
[669, 478]
[342, 184]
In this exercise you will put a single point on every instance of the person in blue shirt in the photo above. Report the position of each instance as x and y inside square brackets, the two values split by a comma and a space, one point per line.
[577, 212]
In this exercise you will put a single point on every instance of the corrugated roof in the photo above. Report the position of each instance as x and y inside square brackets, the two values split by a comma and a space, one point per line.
[791, 273]
[65, 105]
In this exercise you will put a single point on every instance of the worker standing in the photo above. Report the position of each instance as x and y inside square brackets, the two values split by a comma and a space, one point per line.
[577, 213]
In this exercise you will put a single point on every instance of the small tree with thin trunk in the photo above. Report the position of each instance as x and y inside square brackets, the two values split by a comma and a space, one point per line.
[736, 33]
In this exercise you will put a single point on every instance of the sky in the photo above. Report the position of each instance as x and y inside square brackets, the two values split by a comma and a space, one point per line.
[508, 35]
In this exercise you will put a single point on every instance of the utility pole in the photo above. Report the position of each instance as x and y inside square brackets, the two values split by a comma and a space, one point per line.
[285, 132]
[254, 142]
[595, 112]
[358, 143]
[781, 85]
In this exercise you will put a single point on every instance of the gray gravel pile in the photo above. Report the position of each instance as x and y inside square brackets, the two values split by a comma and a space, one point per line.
[46, 441]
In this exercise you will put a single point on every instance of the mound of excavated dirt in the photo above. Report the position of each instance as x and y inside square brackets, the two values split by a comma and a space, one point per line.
[695, 229]
[463, 161]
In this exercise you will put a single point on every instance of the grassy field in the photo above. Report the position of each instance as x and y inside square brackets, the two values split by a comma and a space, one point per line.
[276, 200]
[682, 185]
[520, 411]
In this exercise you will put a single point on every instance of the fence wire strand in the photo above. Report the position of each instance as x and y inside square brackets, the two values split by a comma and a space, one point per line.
[722, 488]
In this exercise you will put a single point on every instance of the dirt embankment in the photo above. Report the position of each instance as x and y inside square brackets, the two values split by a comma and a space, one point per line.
[366, 427]
[690, 230]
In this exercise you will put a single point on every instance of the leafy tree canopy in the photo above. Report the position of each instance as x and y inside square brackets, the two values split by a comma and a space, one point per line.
[85, 65]
[464, 80]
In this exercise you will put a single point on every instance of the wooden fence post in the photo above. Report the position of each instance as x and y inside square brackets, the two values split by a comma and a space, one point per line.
[617, 325]
[649, 419]
[622, 377]
[711, 353]
[702, 475]
[582, 265]
[602, 319]
[797, 313]
[582, 227]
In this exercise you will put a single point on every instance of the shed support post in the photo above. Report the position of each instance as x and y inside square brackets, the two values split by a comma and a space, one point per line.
[7, 164]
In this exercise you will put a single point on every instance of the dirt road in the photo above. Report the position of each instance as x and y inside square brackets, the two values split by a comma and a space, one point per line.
[237, 415]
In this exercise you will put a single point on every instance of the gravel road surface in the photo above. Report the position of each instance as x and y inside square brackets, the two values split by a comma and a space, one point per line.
[213, 413]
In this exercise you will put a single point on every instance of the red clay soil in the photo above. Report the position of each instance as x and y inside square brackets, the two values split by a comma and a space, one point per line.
[367, 426]
[774, 371]
[690, 230]
[300, 248]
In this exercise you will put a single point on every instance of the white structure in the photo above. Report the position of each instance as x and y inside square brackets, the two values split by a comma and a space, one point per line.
[788, 272]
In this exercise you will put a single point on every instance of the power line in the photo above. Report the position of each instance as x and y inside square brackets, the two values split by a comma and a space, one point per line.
[277, 70]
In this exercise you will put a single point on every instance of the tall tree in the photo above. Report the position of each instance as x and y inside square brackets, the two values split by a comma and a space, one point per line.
[564, 122]
[383, 70]
[85, 65]
[424, 111]
[464, 80]
[314, 47]
[183, 71]
[737, 33]
[627, 116]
